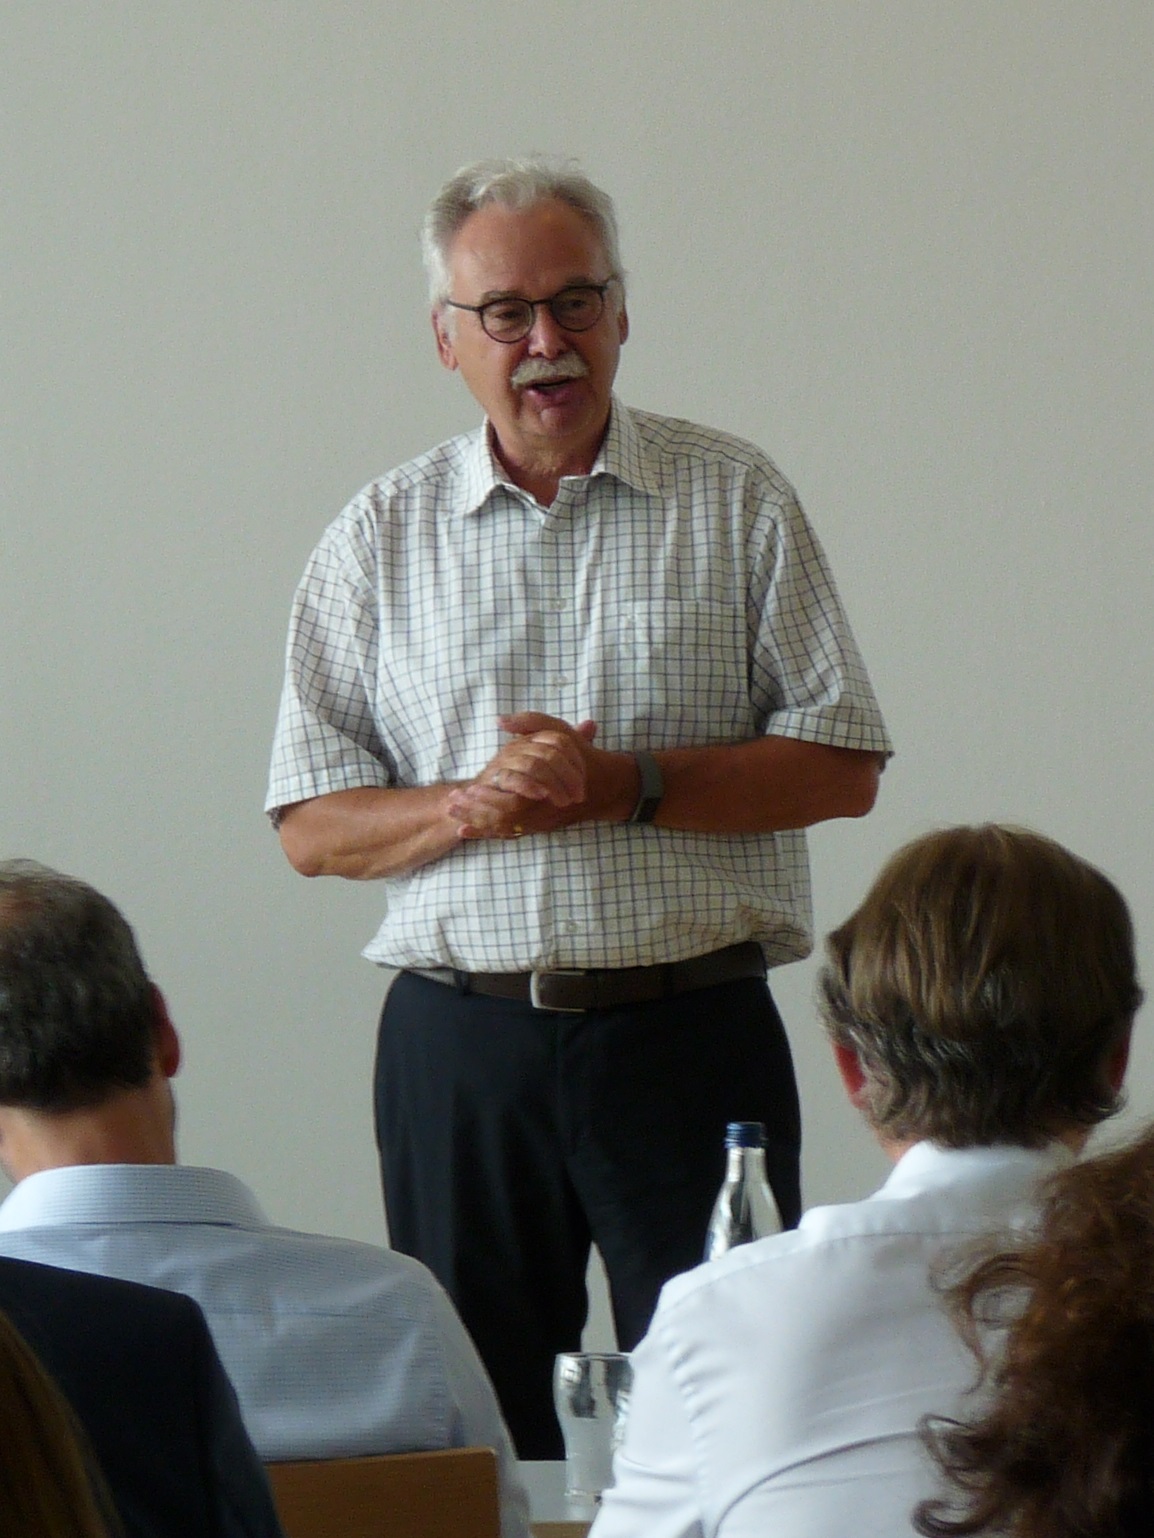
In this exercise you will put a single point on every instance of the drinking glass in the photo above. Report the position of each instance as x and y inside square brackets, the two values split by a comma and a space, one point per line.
[591, 1393]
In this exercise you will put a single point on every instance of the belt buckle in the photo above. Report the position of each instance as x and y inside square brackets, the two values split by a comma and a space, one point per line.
[535, 990]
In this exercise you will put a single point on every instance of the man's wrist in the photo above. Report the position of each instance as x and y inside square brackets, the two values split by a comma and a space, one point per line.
[651, 788]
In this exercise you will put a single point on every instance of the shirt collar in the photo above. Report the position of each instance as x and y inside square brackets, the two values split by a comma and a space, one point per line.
[622, 455]
[928, 1166]
[104, 1193]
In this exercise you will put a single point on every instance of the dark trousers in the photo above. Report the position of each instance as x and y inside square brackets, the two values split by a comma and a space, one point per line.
[511, 1138]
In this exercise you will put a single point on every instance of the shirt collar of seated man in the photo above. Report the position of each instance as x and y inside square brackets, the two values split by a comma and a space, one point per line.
[547, 395]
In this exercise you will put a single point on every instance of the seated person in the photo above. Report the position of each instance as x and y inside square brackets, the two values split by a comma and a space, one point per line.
[147, 1390]
[50, 1485]
[979, 1004]
[1066, 1448]
[336, 1348]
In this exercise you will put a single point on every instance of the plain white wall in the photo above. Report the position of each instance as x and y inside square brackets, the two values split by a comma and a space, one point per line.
[904, 246]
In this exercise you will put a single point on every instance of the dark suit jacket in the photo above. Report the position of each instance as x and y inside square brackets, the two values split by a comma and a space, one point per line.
[144, 1379]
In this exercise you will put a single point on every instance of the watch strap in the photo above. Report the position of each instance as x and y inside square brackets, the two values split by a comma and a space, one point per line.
[652, 787]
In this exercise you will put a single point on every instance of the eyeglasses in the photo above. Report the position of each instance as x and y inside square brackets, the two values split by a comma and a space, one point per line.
[510, 320]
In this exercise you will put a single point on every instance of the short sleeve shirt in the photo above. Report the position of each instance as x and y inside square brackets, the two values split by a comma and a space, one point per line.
[676, 595]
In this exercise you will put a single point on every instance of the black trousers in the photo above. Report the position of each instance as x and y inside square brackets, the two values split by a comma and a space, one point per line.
[510, 1139]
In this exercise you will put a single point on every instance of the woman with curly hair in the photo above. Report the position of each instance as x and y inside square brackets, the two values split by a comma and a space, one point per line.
[49, 1484]
[1063, 1328]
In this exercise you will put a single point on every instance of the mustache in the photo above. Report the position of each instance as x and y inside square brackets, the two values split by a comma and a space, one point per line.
[548, 370]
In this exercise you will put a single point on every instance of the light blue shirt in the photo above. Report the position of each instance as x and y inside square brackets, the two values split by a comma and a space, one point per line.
[336, 1348]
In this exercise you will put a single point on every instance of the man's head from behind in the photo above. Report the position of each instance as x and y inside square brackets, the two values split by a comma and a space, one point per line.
[78, 1014]
[984, 991]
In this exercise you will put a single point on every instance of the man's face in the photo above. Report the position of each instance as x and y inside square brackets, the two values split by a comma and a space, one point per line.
[542, 429]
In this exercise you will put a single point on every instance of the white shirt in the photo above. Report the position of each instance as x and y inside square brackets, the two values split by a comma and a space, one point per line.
[336, 1349]
[676, 595]
[779, 1390]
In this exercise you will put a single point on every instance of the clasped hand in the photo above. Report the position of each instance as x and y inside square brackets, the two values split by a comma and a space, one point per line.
[535, 783]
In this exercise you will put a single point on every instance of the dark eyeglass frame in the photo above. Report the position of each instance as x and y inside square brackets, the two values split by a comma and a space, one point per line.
[533, 305]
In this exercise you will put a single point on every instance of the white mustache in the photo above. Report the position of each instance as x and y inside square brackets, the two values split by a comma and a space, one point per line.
[548, 370]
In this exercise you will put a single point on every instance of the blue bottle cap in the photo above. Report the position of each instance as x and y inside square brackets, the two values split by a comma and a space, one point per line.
[745, 1134]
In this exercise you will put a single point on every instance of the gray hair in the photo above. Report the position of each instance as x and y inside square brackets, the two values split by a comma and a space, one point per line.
[516, 184]
[77, 1008]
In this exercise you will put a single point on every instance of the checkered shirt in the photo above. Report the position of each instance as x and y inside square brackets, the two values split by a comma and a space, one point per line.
[676, 595]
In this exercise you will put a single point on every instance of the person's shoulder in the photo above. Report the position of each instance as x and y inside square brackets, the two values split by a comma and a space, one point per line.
[368, 1276]
[79, 1316]
[441, 466]
[677, 439]
[717, 1285]
[439, 477]
[62, 1287]
[852, 1261]
[782, 1260]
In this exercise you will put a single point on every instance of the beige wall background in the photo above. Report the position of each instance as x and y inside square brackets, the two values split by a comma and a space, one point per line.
[906, 246]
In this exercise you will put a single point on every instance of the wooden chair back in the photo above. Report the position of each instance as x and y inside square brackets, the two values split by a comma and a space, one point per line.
[449, 1494]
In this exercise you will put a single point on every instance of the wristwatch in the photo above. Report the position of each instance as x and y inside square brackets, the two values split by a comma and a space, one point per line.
[652, 788]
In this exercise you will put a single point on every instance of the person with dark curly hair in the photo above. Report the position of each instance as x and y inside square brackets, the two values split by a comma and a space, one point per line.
[1063, 1327]
[979, 1003]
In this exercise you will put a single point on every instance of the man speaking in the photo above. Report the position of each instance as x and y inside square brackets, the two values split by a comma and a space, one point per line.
[570, 686]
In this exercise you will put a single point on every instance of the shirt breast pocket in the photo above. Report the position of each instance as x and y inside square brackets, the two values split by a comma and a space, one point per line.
[685, 675]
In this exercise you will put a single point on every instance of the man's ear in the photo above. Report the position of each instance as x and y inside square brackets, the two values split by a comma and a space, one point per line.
[445, 349]
[167, 1041]
[623, 323]
[852, 1074]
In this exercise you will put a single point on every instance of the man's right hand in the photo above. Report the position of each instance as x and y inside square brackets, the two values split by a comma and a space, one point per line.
[535, 783]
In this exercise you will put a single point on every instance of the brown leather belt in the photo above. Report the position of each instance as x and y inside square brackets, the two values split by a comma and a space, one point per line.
[574, 991]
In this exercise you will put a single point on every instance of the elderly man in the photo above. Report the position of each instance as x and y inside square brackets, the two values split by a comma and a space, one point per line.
[571, 686]
[980, 1003]
[336, 1349]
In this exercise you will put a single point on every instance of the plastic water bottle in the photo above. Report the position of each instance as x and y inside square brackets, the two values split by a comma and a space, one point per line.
[745, 1209]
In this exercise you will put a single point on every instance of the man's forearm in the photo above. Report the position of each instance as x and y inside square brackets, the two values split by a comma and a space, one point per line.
[367, 833]
[764, 786]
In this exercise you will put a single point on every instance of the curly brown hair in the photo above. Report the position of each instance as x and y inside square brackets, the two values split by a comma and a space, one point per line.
[1063, 1328]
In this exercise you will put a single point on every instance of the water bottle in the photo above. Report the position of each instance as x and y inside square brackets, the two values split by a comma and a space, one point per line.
[745, 1209]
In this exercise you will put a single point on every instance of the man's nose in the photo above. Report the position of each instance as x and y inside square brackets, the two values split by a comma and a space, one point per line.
[546, 338]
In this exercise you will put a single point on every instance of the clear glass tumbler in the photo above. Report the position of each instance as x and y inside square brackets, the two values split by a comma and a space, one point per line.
[591, 1393]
